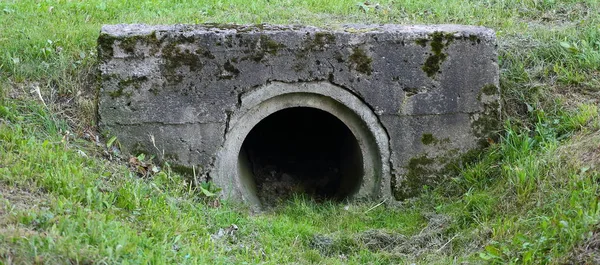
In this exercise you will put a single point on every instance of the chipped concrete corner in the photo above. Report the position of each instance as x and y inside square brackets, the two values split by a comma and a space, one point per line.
[417, 99]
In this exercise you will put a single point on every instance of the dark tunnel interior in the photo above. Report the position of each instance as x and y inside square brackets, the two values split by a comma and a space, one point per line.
[303, 151]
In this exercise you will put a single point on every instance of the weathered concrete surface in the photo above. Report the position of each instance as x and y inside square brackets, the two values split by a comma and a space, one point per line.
[417, 98]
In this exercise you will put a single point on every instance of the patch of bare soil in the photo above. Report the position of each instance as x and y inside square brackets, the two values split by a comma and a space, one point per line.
[573, 97]
[434, 238]
[583, 151]
[14, 199]
[587, 252]
[561, 16]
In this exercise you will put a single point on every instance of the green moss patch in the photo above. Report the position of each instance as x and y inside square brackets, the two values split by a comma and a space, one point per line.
[489, 90]
[322, 39]
[318, 42]
[118, 93]
[134, 82]
[427, 139]
[361, 61]
[184, 170]
[488, 123]
[105, 46]
[418, 169]
[175, 57]
[422, 42]
[438, 42]
[270, 46]
[230, 68]
[411, 91]
[127, 44]
[474, 39]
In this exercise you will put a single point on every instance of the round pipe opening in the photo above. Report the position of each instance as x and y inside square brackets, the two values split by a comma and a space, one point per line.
[301, 150]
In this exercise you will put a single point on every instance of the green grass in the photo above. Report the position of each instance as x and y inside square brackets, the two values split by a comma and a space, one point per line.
[530, 198]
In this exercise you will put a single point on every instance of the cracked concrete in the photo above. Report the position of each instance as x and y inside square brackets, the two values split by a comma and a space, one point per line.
[391, 85]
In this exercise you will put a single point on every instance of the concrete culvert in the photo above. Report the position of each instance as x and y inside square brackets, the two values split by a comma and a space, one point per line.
[302, 150]
[312, 138]
[416, 98]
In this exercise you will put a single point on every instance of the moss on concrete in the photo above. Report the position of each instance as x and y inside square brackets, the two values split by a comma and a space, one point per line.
[124, 84]
[175, 57]
[456, 164]
[488, 123]
[339, 57]
[361, 61]
[139, 148]
[425, 171]
[427, 139]
[126, 43]
[322, 39]
[257, 49]
[228, 66]
[231, 71]
[474, 39]
[411, 91]
[257, 56]
[183, 170]
[223, 26]
[418, 170]
[241, 28]
[134, 82]
[270, 46]
[205, 53]
[438, 42]
[105, 46]
[117, 93]
[318, 42]
[422, 42]
[489, 90]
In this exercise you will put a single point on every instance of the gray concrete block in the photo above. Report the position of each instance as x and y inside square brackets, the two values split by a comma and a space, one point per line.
[415, 99]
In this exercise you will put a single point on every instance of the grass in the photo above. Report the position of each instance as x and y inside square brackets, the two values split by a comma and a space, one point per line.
[530, 198]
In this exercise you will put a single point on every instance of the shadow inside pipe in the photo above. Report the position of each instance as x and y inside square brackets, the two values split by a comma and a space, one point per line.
[304, 151]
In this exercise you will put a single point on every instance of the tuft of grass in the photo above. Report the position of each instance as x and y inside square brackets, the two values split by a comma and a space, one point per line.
[537, 202]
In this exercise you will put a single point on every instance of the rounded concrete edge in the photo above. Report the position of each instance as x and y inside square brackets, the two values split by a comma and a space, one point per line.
[266, 100]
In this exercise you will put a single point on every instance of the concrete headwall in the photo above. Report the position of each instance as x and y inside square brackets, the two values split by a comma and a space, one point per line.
[417, 99]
